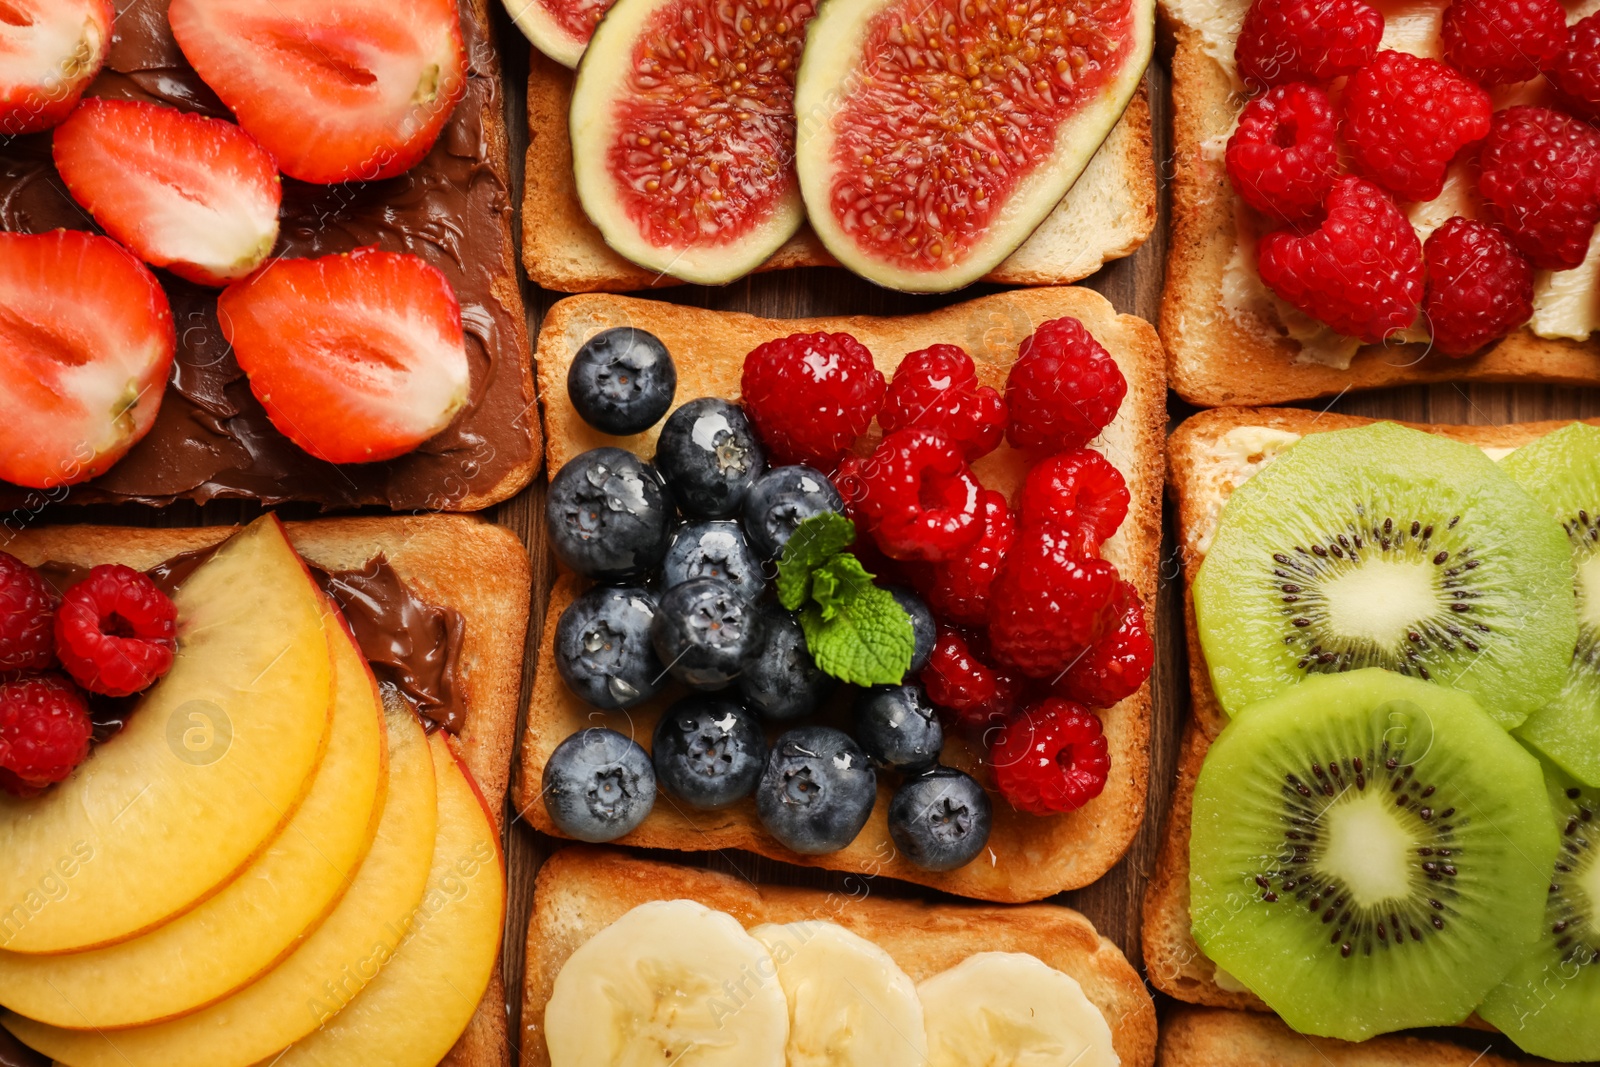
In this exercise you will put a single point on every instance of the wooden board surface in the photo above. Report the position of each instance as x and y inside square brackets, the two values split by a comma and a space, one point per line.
[1133, 286]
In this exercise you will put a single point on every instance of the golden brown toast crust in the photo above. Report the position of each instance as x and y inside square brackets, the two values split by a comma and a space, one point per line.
[1196, 1037]
[563, 251]
[1173, 961]
[1215, 358]
[1029, 858]
[478, 569]
[581, 890]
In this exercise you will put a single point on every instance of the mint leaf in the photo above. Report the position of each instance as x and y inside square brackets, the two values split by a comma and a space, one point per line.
[858, 634]
[813, 543]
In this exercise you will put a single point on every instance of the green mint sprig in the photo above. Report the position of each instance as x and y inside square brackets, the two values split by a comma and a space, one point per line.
[855, 631]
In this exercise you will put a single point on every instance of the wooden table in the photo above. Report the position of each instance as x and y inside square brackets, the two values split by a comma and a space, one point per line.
[1134, 286]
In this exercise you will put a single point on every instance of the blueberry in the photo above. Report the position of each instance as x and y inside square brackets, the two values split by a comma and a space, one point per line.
[708, 752]
[598, 785]
[898, 727]
[622, 380]
[709, 454]
[603, 649]
[817, 791]
[704, 631]
[713, 550]
[923, 628]
[940, 819]
[782, 499]
[780, 680]
[609, 515]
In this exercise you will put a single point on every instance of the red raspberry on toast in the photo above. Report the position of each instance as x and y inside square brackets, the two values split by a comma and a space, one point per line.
[116, 632]
[1049, 603]
[347, 90]
[1078, 494]
[1063, 389]
[1539, 175]
[1575, 68]
[44, 732]
[1284, 156]
[811, 395]
[1406, 118]
[919, 497]
[958, 589]
[195, 195]
[50, 50]
[938, 388]
[1500, 42]
[88, 340]
[1113, 668]
[959, 680]
[1360, 272]
[1305, 40]
[1480, 287]
[27, 617]
[357, 357]
[1051, 758]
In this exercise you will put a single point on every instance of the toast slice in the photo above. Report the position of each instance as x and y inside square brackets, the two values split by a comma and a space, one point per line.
[1226, 345]
[1210, 456]
[211, 437]
[1196, 1037]
[1107, 214]
[474, 568]
[581, 890]
[1028, 858]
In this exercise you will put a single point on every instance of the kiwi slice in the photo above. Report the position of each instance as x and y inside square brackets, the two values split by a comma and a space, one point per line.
[1369, 852]
[1387, 547]
[1562, 472]
[1550, 1003]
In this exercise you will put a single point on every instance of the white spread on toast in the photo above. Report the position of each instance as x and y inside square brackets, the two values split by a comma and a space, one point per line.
[1567, 302]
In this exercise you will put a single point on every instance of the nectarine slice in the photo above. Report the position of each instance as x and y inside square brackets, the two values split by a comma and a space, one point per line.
[210, 766]
[207, 953]
[318, 978]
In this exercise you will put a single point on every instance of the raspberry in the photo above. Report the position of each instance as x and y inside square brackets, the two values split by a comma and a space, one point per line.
[1305, 40]
[959, 681]
[958, 588]
[1115, 666]
[116, 632]
[1360, 271]
[1538, 175]
[1063, 389]
[1078, 493]
[1406, 118]
[1480, 287]
[44, 732]
[1283, 157]
[1051, 758]
[27, 617]
[1575, 68]
[1048, 604]
[938, 388]
[1498, 42]
[918, 496]
[811, 395]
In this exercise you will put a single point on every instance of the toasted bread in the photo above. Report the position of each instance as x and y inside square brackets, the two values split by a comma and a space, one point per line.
[475, 568]
[582, 890]
[1219, 355]
[1197, 1037]
[1205, 466]
[1108, 213]
[1028, 858]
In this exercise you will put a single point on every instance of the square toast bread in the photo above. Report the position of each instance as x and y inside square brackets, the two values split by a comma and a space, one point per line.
[1218, 356]
[1108, 213]
[1202, 1037]
[1204, 468]
[475, 568]
[581, 890]
[1028, 858]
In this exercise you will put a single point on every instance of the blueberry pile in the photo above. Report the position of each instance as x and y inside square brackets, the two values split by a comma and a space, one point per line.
[682, 551]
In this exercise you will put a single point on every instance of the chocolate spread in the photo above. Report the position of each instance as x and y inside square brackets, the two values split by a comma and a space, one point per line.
[212, 439]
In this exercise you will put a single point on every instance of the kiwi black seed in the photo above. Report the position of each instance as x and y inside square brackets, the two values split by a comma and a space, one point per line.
[1368, 852]
[1387, 547]
[1550, 1004]
[1562, 472]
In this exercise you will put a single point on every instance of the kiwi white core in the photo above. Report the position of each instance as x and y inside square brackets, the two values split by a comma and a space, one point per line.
[1588, 883]
[1367, 849]
[1381, 600]
[1589, 591]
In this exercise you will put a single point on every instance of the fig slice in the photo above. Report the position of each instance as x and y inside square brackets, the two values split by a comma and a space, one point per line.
[936, 135]
[683, 133]
[559, 28]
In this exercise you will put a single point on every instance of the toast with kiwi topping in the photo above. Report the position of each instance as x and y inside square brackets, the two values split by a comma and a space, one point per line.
[1199, 1037]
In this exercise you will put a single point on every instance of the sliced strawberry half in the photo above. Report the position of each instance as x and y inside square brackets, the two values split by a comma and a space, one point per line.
[356, 358]
[50, 50]
[86, 342]
[337, 90]
[196, 195]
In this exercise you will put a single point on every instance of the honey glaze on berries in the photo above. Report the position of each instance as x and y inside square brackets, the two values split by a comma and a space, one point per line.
[957, 105]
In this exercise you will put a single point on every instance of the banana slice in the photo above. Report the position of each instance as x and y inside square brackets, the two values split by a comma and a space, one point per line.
[670, 984]
[1009, 1009]
[850, 1004]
